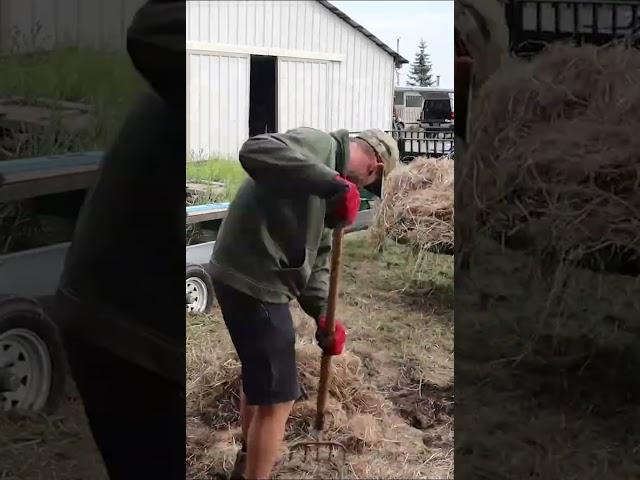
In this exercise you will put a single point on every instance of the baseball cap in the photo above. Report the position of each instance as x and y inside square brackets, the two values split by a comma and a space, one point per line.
[386, 149]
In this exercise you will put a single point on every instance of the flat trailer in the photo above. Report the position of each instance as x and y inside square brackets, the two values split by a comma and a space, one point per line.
[54, 174]
[199, 289]
[50, 190]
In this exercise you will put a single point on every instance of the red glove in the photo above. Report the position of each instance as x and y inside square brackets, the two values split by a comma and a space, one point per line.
[331, 344]
[345, 206]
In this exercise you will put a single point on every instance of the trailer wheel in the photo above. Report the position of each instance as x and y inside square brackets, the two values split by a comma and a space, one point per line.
[31, 358]
[200, 293]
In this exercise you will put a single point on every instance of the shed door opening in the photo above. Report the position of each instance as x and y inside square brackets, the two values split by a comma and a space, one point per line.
[262, 95]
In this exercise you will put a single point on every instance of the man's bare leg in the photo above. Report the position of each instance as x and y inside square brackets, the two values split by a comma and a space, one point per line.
[266, 433]
[247, 412]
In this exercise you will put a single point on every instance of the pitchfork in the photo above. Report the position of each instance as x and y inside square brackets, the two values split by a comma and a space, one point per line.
[325, 368]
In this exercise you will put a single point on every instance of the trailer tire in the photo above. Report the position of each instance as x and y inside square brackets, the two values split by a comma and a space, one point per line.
[29, 338]
[200, 287]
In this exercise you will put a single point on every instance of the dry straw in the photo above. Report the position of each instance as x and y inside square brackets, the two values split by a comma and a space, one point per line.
[554, 158]
[418, 205]
[357, 414]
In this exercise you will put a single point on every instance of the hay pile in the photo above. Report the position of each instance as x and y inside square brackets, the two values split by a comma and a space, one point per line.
[350, 400]
[218, 402]
[553, 165]
[417, 207]
[357, 415]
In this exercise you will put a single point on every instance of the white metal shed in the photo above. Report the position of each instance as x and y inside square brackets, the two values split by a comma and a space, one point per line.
[28, 25]
[255, 66]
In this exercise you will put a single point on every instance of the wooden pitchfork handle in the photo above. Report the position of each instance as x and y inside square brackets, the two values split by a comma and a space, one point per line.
[325, 366]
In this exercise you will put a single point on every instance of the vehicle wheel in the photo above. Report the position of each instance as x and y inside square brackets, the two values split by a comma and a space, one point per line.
[200, 294]
[31, 356]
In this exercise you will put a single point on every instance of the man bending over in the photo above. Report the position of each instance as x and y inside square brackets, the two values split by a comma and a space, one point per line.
[273, 247]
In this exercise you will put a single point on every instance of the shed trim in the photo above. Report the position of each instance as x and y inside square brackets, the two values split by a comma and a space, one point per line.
[399, 59]
[226, 49]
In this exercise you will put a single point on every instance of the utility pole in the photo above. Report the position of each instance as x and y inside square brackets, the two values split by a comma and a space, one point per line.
[398, 69]
[437, 80]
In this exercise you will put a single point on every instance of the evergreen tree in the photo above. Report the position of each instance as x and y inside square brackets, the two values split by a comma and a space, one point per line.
[420, 72]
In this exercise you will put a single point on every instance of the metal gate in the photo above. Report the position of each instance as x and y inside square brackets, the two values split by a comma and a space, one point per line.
[435, 143]
[430, 143]
[534, 23]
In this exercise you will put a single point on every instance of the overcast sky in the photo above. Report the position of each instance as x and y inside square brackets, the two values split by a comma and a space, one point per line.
[410, 20]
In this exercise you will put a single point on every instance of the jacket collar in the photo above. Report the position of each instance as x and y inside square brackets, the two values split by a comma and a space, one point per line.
[342, 149]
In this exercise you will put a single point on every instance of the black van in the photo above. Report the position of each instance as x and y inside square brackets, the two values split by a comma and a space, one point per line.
[437, 110]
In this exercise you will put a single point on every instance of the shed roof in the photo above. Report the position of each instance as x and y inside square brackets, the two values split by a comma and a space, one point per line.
[399, 59]
[409, 88]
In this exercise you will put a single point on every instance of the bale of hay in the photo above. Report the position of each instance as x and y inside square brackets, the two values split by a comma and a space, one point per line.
[417, 207]
[553, 160]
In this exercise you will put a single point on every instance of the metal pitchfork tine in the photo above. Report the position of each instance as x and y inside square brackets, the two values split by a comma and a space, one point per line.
[325, 366]
[307, 447]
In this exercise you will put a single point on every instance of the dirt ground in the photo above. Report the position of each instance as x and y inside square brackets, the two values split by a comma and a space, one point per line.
[391, 402]
[55, 447]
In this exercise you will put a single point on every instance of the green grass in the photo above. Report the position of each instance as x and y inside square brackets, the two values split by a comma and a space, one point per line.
[74, 75]
[108, 82]
[421, 276]
[229, 172]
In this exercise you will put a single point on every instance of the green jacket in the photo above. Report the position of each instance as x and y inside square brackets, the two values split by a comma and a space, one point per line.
[273, 244]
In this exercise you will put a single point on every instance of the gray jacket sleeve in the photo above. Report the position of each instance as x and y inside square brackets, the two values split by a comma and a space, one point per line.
[288, 165]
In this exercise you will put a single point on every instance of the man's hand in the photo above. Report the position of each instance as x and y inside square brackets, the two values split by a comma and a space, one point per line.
[342, 209]
[331, 343]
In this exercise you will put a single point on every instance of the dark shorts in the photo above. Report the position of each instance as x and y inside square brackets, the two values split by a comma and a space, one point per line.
[264, 337]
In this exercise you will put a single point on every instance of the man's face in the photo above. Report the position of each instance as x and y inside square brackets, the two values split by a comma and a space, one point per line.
[363, 168]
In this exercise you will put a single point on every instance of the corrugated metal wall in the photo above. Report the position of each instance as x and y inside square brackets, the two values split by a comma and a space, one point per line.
[27, 25]
[304, 94]
[359, 89]
[408, 114]
[217, 104]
